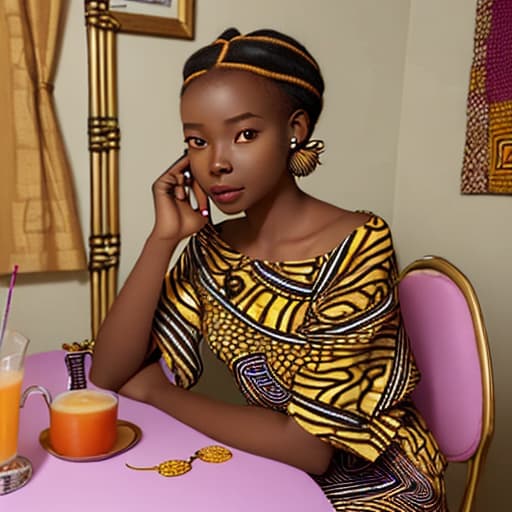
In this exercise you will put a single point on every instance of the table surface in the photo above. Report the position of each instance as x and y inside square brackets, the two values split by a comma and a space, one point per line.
[245, 483]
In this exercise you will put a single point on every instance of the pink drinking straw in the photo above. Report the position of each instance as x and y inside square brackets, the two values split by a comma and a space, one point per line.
[8, 303]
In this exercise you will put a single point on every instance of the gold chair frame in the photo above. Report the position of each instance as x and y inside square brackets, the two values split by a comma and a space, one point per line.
[104, 137]
[476, 462]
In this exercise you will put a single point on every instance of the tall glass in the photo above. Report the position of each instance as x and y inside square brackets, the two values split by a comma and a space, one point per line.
[12, 357]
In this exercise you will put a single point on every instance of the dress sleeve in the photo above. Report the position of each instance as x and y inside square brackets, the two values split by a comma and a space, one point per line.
[360, 367]
[177, 322]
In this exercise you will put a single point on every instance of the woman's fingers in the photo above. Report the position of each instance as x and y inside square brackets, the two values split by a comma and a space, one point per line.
[176, 213]
[179, 187]
[177, 181]
[203, 205]
[172, 179]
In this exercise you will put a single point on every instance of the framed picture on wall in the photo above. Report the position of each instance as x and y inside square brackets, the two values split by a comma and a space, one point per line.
[163, 18]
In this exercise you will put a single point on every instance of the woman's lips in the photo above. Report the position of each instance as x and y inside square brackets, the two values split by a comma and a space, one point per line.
[223, 194]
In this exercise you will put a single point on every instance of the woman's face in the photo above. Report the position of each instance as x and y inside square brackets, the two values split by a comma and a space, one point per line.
[237, 128]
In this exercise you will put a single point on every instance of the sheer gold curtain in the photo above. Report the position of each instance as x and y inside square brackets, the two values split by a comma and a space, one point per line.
[39, 228]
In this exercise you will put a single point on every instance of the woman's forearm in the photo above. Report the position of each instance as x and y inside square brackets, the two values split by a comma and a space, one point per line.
[122, 342]
[254, 429]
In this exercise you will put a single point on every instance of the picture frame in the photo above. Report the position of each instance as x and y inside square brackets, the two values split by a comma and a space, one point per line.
[180, 24]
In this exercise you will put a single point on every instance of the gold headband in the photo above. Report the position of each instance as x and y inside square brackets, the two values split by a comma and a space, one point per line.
[256, 69]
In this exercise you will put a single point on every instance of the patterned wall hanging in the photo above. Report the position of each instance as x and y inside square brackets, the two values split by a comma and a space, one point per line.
[487, 165]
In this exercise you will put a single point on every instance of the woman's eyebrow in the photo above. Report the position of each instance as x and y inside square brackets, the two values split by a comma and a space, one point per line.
[230, 120]
[192, 126]
[241, 117]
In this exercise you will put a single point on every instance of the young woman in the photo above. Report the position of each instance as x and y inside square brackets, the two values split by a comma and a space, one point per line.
[297, 297]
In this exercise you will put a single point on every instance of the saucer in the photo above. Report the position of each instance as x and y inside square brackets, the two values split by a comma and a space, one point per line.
[128, 435]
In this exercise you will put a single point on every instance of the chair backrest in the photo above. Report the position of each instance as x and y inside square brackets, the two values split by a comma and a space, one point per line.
[443, 320]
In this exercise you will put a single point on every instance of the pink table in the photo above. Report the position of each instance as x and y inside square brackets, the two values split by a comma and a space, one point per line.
[244, 483]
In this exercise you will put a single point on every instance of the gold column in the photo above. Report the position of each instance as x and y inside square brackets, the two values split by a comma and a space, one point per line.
[104, 136]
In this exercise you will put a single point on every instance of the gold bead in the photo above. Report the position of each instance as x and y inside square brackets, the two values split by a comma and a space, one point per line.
[214, 454]
[174, 467]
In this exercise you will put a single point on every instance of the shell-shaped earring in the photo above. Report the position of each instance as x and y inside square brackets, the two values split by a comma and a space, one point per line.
[304, 160]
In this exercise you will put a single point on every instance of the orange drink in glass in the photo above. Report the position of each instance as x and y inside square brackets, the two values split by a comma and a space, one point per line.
[83, 423]
[12, 355]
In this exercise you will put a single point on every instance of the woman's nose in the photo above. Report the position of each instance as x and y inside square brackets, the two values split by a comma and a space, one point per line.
[220, 163]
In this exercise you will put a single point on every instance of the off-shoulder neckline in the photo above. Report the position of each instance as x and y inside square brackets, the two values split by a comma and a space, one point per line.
[214, 230]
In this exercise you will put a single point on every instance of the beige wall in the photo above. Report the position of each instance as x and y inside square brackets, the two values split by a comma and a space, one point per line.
[394, 145]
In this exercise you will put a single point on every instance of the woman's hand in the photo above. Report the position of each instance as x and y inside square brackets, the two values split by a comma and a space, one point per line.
[175, 218]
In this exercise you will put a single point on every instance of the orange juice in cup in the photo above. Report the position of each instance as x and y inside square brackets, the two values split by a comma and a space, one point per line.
[12, 354]
[10, 390]
[83, 423]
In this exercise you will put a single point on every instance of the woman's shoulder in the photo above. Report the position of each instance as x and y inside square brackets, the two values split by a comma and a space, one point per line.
[341, 224]
[372, 221]
[349, 221]
[327, 231]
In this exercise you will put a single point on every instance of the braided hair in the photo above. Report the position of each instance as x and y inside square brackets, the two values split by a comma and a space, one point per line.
[267, 53]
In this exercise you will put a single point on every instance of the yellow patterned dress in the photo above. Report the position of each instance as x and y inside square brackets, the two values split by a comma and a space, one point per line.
[320, 340]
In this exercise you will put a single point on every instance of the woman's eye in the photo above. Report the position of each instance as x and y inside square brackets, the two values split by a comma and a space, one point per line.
[195, 142]
[246, 136]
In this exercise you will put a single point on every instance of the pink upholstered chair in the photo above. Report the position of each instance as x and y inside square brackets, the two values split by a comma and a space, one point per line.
[444, 322]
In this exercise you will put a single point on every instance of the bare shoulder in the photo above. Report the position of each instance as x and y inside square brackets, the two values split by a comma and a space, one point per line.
[349, 220]
[337, 223]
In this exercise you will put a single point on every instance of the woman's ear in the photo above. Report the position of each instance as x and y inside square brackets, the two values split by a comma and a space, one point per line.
[299, 125]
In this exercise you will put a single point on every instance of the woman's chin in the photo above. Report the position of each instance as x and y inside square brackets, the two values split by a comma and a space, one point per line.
[230, 209]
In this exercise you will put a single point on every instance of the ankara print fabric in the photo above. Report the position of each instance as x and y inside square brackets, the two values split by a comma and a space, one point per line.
[487, 164]
[320, 340]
